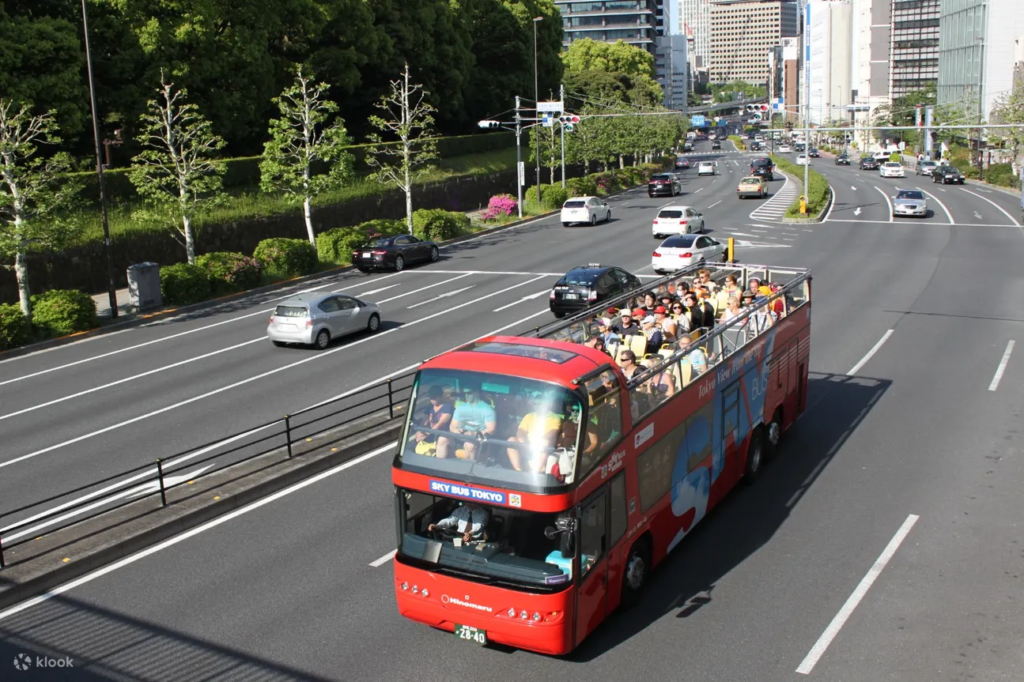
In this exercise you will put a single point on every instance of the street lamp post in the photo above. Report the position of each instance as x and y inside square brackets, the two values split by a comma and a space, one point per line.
[981, 101]
[111, 286]
[536, 99]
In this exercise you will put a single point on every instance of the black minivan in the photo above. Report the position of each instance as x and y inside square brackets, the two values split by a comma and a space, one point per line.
[588, 285]
[763, 168]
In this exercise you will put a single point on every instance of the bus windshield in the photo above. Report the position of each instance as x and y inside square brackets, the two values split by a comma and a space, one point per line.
[492, 428]
[494, 544]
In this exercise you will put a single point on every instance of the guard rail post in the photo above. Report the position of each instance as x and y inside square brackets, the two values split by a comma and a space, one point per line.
[2, 564]
[391, 402]
[288, 433]
[160, 477]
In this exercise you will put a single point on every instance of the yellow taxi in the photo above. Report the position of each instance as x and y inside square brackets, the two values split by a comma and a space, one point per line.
[752, 186]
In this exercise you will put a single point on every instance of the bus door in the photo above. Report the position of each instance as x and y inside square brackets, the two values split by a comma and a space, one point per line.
[592, 557]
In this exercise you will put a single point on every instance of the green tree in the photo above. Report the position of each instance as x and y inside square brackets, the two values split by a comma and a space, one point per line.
[177, 172]
[300, 138]
[32, 191]
[1009, 108]
[635, 65]
[409, 118]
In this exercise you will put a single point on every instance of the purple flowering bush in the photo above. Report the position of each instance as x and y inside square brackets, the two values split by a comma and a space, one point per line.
[231, 271]
[501, 206]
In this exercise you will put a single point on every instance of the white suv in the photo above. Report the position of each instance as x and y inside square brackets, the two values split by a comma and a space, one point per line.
[705, 168]
[676, 219]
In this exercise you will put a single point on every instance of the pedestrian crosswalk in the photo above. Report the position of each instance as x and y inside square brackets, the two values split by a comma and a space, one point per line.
[776, 206]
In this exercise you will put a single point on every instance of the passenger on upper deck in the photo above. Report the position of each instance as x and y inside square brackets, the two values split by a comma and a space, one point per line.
[473, 418]
[732, 309]
[653, 334]
[539, 429]
[627, 361]
[628, 326]
[669, 327]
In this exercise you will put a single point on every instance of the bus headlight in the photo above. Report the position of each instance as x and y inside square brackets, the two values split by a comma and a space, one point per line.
[536, 616]
[523, 615]
[415, 590]
[405, 586]
[425, 593]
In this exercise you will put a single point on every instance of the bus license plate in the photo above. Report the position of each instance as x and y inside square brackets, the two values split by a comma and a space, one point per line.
[471, 634]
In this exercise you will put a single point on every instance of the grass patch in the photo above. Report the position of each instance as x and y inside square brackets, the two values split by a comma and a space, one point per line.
[817, 192]
[738, 141]
[242, 205]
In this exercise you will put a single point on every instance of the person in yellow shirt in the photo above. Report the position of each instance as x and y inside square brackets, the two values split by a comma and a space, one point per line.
[539, 430]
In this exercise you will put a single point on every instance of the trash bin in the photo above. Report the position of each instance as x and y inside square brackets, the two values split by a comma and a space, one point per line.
[144, 286]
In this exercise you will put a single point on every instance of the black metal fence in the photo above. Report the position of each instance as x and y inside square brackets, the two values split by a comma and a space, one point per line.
[297, 434]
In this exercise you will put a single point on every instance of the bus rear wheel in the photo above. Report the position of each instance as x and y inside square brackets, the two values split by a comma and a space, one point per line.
[774, 434]
[755, 456]
[634, 576]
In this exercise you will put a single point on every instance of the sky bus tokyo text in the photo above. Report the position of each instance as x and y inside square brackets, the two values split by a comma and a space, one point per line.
[539, 480]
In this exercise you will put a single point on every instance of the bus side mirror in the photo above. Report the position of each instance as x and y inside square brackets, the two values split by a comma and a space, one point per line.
[566, 527]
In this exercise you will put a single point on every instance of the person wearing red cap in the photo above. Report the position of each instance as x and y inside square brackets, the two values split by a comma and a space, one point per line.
[668, 326]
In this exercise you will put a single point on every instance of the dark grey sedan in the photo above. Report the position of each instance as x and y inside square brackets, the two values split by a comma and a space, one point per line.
[315, 319]
[394, 253]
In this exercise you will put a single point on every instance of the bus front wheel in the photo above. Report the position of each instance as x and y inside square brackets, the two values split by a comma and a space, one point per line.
[638, 567]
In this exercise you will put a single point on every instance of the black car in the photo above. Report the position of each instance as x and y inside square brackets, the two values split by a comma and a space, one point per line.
[947, 174]
[588, 285]
[756, 146]
[682, 163]
[869, 163]
[763, 168]
[687, 146]
[393, 252]
[665, 184]
[716, 145]
[813, 153]
[843, 160]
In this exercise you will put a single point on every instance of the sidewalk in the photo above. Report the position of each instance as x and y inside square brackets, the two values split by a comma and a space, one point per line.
[124, 306]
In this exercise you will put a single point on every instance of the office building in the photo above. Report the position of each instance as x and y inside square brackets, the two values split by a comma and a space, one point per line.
[632, 21]
[872, 42]
[976, 50]
[831, 59]
[695, 24]
[915, 46]
[1018, 62]
[792, 82]
[672, 69]
[742, 33]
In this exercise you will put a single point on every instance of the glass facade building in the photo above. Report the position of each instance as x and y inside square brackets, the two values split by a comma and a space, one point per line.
[636, 22]
[914, 50]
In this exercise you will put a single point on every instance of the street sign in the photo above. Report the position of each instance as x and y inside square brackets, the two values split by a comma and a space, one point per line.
[547, 121]
[522, 173]
[553, 107]
[698, 121]
[858, 107]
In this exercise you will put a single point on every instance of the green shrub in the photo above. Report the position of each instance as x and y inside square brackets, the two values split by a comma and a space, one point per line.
[181, 284]
[337, 245]
[14, 327]
[1002, 174]
[581, 187]
[817, 193]
[436, 224]
[329, 245]
[60, 312]
[649, 169]
[288, 257]
[554, 196]
[231, 271]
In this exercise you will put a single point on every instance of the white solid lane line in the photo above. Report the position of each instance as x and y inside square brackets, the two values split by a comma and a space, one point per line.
[864, 360]
[415, 291]
[190, 533]
[1012, 220]
[447, 294]
[164, 338]
[384, 559]
[816, 652]
[131, 378]
[284, 368]
[715, 204]
[524, 298]
[1002, 367]
[888, 203]
[375, 291]
[939, 202]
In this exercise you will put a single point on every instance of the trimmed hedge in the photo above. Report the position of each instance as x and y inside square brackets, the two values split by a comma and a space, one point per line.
[230, 271]
[1002, 174]
[60, 312]
[582, 187]
[14, 328]
[182, 283]
[288, 257]
[436, 224]
[816, 193]
[337, 245]
[551, 196]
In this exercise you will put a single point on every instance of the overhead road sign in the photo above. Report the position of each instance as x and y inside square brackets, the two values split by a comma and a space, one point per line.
[552, 107]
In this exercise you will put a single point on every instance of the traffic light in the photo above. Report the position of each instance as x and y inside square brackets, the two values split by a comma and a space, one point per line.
[569, 121]
[750, 107]
[489, 124]
[764, 107]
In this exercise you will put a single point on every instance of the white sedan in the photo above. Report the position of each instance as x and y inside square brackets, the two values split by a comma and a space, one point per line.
[684, 250]
[891, 169]
[785, 149]
[585, 210]
[801, 160]
[676, 219]
[705, 168]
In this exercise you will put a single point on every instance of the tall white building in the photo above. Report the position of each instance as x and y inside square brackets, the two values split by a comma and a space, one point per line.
[976, 49]
[831, 56]
[872, 42]
[673, 71]
[695, 24]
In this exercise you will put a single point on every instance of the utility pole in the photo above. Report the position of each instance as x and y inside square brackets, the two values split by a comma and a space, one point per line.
[536, 99]
[561, 129]
[981, 100]
[519, 161]
[111, 286]
[807, 101]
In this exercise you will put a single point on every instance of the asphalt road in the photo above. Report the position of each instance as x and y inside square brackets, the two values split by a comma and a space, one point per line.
[922, 444]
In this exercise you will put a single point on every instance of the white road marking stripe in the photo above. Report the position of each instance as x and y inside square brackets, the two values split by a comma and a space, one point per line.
[415, 291]
[376, 291]
[189, 533]
[377, 563]
[939, 202]
[132, 378]
[698, 190]
[284, 368]
[888, 203]
[846, 611]
[864, 360]
[994, 204]
[1002, 367]
[446, 294]
[524, 298]
[715, 204]
[160, 340]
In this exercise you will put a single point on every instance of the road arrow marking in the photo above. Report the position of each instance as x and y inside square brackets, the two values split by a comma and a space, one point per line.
[857, 212]
[853, 188]
[154, 486]
[977, 215]
[524, 298]
[444, 295]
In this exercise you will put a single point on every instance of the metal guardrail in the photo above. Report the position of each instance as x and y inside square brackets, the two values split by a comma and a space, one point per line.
[129, 487]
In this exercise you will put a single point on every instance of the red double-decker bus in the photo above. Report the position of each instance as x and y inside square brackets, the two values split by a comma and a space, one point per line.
[538, 483]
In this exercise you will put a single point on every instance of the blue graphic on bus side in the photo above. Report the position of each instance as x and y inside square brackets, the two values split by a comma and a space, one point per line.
[467, 492]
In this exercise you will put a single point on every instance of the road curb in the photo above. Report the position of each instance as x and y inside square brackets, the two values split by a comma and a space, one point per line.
[33, 576]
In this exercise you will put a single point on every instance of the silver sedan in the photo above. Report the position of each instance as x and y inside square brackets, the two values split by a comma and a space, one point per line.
[315, 319]
[910, 202]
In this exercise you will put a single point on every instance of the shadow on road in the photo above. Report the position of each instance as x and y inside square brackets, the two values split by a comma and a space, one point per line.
[748, 518]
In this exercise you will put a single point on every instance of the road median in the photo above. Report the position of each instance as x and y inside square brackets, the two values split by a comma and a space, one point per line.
[819, 195]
